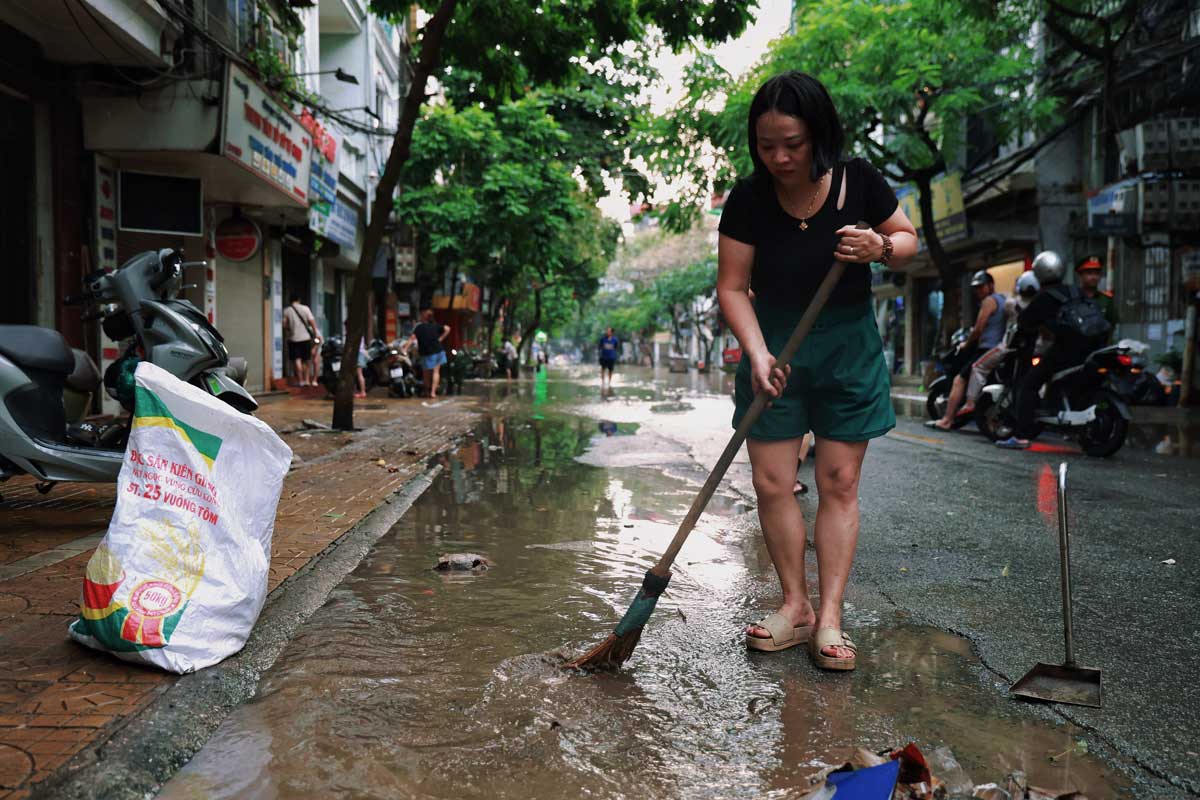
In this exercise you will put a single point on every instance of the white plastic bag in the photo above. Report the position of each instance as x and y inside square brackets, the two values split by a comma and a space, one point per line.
[181, 575]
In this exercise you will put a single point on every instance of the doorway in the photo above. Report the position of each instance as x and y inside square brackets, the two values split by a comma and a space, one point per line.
[18, 303]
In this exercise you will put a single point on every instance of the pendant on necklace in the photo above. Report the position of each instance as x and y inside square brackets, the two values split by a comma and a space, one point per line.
[803, 225]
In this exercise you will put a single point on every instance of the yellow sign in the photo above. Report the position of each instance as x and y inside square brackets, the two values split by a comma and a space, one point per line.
[949, 213]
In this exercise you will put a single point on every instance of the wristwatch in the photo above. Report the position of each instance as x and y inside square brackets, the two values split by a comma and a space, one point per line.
[887, 249]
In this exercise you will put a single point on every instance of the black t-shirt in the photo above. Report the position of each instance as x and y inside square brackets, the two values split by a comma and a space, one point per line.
[428, 338]
[789, 263]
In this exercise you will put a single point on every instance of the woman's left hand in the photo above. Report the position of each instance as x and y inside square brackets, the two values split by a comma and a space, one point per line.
[858, 245]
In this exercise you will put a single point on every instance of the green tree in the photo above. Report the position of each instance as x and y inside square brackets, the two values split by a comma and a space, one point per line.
[688, 297]
[905, 77]
[512, 44]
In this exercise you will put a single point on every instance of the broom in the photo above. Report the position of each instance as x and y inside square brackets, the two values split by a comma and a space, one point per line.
[618, 647]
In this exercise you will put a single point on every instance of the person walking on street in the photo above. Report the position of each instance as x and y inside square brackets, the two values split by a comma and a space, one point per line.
[779, 231]
[510, 358]
[987, 333]
[300, 330]
[429, 335]
[609, 345]
[1088, 273]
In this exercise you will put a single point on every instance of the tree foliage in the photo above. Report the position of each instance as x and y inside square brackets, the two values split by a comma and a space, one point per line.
[905, 76]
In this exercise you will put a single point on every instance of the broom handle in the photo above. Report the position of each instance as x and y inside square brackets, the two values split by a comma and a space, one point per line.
[663, 567]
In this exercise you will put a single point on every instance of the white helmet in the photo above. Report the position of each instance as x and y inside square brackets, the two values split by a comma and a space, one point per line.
[1028, 283]
[1048, 266]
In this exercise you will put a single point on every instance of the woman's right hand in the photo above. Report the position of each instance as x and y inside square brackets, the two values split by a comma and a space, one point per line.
[766, 377]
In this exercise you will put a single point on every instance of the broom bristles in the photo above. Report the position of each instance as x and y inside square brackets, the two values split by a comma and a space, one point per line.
[608, 655]
[618, 647]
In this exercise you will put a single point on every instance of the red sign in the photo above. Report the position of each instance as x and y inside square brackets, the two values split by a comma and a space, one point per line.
[238, 239]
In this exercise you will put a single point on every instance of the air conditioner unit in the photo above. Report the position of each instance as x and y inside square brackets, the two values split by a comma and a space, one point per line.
[1185, 201]
[1185, 142]
[1154, 203]
[1153, 141]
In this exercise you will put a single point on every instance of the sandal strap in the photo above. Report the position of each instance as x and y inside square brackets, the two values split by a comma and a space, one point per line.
[779, 626]
[833, 637]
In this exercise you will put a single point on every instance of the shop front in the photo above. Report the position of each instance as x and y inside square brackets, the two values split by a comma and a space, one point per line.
[227, 210]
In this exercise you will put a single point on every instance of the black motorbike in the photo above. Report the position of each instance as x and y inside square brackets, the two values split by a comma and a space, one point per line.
[1078, 401]
[948, 363]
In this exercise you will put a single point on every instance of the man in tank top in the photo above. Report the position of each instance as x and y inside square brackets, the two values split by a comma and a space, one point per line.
[987, 333]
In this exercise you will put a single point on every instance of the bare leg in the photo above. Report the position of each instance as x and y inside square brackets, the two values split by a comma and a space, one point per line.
[774, 467]
[433, 381]
[298, 371]
[837, 471]
[957, 391]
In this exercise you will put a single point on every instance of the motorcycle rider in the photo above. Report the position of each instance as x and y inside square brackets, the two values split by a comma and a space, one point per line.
[987, 333]
[1026, 289]
[1088, 273]
[1038, 318]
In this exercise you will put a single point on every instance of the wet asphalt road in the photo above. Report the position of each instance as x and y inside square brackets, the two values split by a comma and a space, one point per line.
[963, 537]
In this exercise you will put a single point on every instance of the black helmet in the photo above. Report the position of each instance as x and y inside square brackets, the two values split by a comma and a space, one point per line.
[982, 278]
[1049, 268]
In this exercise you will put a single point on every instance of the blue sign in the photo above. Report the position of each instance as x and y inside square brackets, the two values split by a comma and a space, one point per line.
[336, 221]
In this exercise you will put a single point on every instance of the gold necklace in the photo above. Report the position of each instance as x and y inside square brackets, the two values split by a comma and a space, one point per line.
[813, 199]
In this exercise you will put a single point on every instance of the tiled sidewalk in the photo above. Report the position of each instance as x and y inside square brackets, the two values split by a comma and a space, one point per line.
[57, 697]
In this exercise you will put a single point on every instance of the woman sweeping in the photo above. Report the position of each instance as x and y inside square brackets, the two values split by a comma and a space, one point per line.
[780, 231]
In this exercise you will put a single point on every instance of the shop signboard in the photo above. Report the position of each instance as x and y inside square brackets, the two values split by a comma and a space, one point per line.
[104, 225]
[238, 239]
[1112, 211]
[263, 136]
[949, 212]
[336, 221]
[406, 264]
[323, 174]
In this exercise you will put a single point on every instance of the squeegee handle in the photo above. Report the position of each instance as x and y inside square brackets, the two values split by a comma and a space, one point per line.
[1064, 550]
[756, 408]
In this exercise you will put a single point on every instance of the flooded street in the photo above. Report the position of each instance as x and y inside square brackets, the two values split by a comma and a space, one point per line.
[415, 683]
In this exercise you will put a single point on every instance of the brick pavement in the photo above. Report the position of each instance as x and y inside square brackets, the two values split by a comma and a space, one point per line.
[57, 697]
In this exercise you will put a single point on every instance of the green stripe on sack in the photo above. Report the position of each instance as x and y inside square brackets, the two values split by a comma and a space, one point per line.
[150, 410]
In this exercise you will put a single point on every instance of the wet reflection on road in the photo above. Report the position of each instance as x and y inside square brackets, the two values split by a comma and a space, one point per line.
[411, 683]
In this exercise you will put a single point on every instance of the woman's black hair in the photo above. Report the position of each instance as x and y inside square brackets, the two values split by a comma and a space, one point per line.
[799, 94]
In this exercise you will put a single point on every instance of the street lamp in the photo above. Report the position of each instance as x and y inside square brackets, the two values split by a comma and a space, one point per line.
[339, 73]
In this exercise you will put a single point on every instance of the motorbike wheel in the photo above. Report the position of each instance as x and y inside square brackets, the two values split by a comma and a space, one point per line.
[939, 395]
[1106, 433]
[993, 421]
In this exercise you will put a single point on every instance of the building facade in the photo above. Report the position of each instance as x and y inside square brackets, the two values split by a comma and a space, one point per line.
[248, 135]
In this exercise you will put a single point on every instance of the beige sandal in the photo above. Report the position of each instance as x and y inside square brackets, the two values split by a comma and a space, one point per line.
[832, 637]
[783, 634]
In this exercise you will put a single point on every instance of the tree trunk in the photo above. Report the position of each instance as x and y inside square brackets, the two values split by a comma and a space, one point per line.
[431, 45]
[527, 336]
[951, 305]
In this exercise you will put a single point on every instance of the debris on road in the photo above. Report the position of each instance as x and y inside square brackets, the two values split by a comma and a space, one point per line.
[906, 774]
[462, 562]
[1170, 562]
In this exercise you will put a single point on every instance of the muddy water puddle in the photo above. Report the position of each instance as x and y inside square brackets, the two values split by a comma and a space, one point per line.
[412, 683]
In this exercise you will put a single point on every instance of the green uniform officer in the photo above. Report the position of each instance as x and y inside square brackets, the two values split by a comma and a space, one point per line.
[780, 231]
[1088, 273]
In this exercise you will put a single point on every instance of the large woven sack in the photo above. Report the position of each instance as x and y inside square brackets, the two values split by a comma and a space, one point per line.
[181, 576]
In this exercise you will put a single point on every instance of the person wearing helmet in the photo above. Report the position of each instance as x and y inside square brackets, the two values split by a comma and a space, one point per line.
[1037, 318]
[1087, 272]
[1027, 289]
[987, 333]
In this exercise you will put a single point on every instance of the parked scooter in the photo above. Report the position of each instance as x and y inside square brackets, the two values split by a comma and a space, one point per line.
[1079, 401]
[402, 380]
[46, 387]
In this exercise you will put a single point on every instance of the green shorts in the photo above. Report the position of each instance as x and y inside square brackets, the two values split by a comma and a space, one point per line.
[839, 386]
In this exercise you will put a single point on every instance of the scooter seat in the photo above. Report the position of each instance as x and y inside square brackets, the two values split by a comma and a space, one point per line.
[36, 348]
[85, 377]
